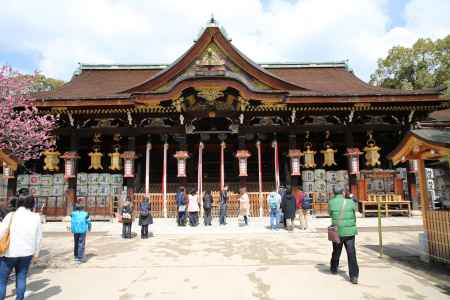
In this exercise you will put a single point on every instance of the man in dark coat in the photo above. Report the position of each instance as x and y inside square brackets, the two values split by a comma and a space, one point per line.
[207, 207]
[145, 217]
[223, 205]
[180, 199]
[288, 205]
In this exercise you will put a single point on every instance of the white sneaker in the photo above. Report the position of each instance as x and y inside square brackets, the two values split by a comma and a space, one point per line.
[28, 293]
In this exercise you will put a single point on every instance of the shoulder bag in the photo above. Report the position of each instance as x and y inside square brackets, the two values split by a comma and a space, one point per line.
[333, 234]
[4, 242]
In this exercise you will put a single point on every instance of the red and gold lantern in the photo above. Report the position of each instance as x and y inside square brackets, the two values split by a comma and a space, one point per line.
[242, 156]
[70, 162]
[7, 171]
[353, 160]
[181, 157]
[295, 155]
[128, 163]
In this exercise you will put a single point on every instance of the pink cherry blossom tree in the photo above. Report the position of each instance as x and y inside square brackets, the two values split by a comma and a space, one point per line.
[24, 132]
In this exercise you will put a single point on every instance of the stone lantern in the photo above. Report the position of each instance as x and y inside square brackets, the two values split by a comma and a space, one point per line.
[242, 156]
[181, 157]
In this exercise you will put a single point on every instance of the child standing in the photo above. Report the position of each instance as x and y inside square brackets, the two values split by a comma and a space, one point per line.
[80, 225]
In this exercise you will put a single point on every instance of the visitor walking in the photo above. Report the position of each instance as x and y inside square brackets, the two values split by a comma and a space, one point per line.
[282, 193]
[274, 201]
[305, 211]
[80, 224]
[127, 219]
[25, 234]
[223, 202]
[180, 198]
[244, 205]
[207, 207]
[342, 212]
[193, 208]
[145, 217]
[288, 206]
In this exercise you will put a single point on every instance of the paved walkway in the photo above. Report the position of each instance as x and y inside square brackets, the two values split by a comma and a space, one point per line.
[257, 225]
[258, 265]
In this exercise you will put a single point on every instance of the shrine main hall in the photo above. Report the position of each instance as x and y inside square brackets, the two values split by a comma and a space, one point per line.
[215, 117]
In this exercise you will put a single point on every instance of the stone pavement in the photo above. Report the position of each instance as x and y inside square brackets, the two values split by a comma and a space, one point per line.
[229, 263]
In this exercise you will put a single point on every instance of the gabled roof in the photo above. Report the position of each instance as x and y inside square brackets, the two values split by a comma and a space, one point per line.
[213, 35]
[297, 81]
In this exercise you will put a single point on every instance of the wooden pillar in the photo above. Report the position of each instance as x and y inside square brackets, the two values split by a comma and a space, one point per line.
[71, 192]
[295, 180]
[242, 146]
[148, 148]
[352, 178]
[411, 178]
[424, 202]
[130, 181]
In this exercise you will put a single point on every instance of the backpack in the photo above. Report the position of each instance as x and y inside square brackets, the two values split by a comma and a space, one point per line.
[273, 203]
[307, 203]
[144, 210]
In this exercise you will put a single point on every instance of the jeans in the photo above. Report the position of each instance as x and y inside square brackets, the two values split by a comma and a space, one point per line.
[144, 231]
[79, 240]
[193, 218]
[349, 242]
[126, 230]
[21, 266]
[246, 220]
[181, 220]
[207, 216]
[223, 214]
[274, 218]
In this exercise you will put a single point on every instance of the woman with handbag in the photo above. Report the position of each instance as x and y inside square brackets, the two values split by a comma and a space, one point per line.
[20, 240]
[127, 219]
[342, 232]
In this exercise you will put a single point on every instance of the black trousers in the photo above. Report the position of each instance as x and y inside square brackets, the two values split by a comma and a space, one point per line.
[207, 216]
[144, 231]
[349, 243]
[126, 230]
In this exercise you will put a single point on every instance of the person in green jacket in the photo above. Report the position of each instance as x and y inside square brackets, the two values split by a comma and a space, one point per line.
[345, 221]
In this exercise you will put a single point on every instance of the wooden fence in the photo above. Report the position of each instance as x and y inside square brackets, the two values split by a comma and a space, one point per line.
[157, 204]
[437, 227]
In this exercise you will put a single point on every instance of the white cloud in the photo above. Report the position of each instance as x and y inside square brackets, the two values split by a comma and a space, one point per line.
[101, 31]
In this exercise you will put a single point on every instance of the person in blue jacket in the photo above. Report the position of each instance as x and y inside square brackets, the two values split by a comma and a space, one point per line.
[80, 225]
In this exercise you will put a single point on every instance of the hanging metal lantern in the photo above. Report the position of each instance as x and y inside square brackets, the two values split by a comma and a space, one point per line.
[295, 155]
[7, 171]
[51, 160]
[309, 156]
[353, 160]
[70, 161]
[181, 157]
[242, 156]
[115, 160]
[96, 159]
[372, 152]
[413, 166]
[128, 162]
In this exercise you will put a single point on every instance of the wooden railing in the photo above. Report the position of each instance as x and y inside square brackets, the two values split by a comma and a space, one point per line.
[437, 227]
[157, 204]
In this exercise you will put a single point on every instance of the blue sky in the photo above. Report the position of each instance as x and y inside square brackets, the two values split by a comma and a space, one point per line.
[54, 36]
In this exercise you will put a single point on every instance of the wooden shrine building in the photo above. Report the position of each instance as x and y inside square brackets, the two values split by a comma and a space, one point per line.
[215, 117]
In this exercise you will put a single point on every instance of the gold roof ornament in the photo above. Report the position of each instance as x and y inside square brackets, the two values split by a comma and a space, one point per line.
[51, 160]
[210, 94]
[242, 104]
[179, 104]
[372, 152]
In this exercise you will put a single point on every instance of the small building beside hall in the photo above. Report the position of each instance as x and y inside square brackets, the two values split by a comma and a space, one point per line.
[216, 117]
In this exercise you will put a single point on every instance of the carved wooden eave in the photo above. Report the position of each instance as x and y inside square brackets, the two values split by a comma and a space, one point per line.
[427, 144]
